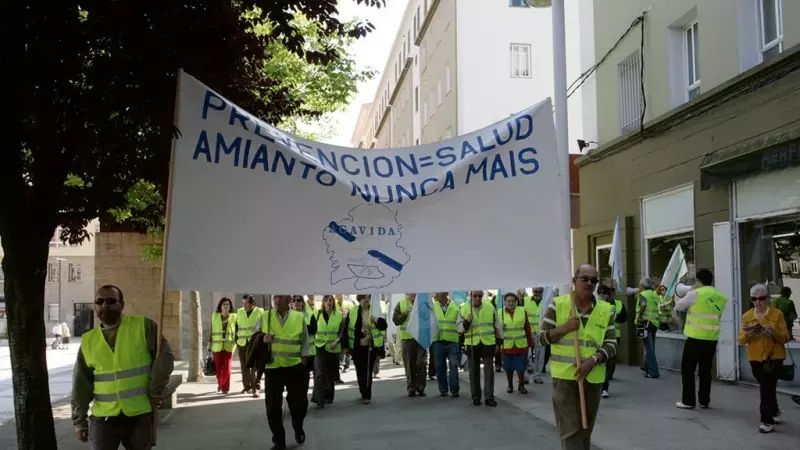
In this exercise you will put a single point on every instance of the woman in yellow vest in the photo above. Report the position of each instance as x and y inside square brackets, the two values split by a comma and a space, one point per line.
[222, 342]
[765, 334]
[516, 341]
[330, 324]
[363, 338]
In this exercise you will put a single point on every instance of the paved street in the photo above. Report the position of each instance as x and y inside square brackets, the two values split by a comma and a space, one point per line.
[59, 364]
[640, 414]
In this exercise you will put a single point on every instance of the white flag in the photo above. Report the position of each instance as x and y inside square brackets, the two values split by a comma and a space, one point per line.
[675, 270]
[422, 324]
[615, 259]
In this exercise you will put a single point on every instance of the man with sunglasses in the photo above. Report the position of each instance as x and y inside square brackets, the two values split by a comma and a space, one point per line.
[117, 368]
[705, 305]
[481, 326]
[578, 312]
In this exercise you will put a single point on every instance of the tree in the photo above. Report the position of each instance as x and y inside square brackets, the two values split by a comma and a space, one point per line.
[195, 338]
[93, 92]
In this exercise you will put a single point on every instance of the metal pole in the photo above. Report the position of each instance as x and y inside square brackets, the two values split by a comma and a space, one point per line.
[60, 280]
[560, 102]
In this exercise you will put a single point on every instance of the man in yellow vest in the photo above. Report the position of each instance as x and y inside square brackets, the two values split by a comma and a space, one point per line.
[480, 324]
[446, 348]
[247, 318]
[414, 356]
[537, 352]
[286, 332]
[705, 305]
[578, 312]
[647, 317]
[117, 368]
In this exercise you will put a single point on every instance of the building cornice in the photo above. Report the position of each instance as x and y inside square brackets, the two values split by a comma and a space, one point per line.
[393, 95]
[427, 22]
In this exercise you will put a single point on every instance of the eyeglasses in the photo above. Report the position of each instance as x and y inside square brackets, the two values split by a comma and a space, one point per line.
[592, 280]
[106, 300]
[759, 299]
[297, 300]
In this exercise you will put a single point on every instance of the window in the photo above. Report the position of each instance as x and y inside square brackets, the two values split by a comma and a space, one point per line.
[518, 4]
[770, 24]
[416, 99]
[75, 273]
[425, 112]
[416, 141]
[629, 80]
[52, 312]
[408, 41]
[691, 52]
[416, 24]
[439, 93]
[520, 60]
[660, 252]
[53, 275]
[447, 79]
[432, 108]
[793, 267]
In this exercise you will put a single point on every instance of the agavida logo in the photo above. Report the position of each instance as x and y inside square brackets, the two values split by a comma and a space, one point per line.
[365, 247]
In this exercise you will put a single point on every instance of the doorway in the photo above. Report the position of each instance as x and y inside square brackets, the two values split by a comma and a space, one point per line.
[84, 318]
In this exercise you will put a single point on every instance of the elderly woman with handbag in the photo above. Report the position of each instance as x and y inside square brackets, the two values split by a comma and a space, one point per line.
[764, 332]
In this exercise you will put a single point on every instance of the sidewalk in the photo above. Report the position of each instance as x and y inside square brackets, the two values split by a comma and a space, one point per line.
[641, 414]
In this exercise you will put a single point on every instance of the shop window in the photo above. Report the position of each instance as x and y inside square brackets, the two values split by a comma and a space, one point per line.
[52, 312]
[602, 256]
[659, 253]
[770, 252]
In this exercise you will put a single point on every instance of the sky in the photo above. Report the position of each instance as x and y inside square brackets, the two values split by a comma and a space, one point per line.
[373, 51]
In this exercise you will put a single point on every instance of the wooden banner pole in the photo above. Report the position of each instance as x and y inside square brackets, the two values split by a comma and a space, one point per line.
[577, 345]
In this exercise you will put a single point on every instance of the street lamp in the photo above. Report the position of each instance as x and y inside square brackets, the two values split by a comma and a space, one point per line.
[60, 260]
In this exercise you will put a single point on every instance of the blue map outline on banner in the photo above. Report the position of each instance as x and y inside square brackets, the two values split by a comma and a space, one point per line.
[370, 254]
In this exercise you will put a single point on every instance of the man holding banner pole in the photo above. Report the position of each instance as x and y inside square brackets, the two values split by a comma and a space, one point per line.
[580, 317]
[414, 355]
[481, 326]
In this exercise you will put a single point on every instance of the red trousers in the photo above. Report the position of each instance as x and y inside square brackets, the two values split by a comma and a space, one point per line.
[222, 364]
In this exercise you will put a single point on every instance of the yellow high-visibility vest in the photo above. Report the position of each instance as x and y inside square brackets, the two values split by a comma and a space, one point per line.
[287, 345]
[651, 314]
[377, 336]
[704, 317]
[482, 327]
[223, 340]
[447, 321]
[514, 329]
[327, 331]
[405, 305]
[532, 308]
[122, 375]
[246, 325]
[590, 338]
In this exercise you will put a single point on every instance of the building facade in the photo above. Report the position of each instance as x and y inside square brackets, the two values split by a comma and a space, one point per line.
[69, 288]
[447, 74]
[696, 112]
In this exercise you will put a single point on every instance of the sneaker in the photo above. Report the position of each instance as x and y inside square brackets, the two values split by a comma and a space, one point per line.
[421, 394]
[604, 394]
[777, 420]
[681, 405]
[538, 381]
[476, 402]
[766, 428]
[454, 394]
[412, 393]
[491, 403]
[442, 394]
[705, 407]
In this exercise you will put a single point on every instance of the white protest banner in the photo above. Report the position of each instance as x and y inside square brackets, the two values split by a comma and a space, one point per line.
[257, 210]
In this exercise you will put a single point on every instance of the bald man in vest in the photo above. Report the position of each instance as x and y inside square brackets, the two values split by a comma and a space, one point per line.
[578, 312]
[117, 368]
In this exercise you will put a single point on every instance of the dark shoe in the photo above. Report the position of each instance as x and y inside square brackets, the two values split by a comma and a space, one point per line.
[705, 407]
[476, 402]
[491, 403]
[245, 390]
[498, 369]
[510, 390]
[421, 394]
[412, 393]
[442, 394]
[454, 394]
[300, 436]
[278, 447]
[538, 381]
[655, 377]
[522, 389]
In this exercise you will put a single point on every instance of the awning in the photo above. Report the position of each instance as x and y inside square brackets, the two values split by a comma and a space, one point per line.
[775, 150]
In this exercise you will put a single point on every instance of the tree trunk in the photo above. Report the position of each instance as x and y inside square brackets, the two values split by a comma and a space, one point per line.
[25, 265]
[195, 338]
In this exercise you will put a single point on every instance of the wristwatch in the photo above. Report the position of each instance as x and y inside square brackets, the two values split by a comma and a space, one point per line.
[596, 359]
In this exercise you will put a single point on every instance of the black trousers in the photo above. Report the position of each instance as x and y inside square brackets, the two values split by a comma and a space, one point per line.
[295, 380]
[697, 352]
[431, 364]
[326, 369]
[364, 359]
[767, 385]
[498, 356]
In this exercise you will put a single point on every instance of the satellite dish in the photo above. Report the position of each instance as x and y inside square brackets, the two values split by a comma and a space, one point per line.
[539, 3]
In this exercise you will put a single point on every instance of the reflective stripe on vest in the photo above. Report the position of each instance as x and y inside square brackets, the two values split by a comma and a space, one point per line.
[311, 337]
[590, 339]
[514, 329]
[327, 331]
[377, 335]
[532, 308]
[446, 321]
[287, 345]
[121, 376]
[222, 340]
[703, 318]
[651, 314]
[481, 330]
[246, 325]
[404, 306]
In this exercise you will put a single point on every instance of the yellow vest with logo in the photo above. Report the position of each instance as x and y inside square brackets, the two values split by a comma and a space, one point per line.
[246, 325]
[481, 330]
[447, 321]
[590, 337]
[651, 314]
[532, 308]
[327, 331]
[287, 345]
[122, 375]
[222, 340]
[377, 335]
[514, 329]
[405, 305]
[703, 318]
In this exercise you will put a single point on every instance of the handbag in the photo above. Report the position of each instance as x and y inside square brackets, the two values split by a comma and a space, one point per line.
[209, 368]
[786, 371]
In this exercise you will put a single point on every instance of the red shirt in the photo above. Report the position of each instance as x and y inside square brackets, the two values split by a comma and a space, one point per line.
[528, 335]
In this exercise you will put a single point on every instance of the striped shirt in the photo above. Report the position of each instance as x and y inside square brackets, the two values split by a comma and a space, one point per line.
[609, 348]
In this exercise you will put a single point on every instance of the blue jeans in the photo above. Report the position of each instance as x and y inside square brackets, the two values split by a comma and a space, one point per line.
[448, 352]
[649, 343]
